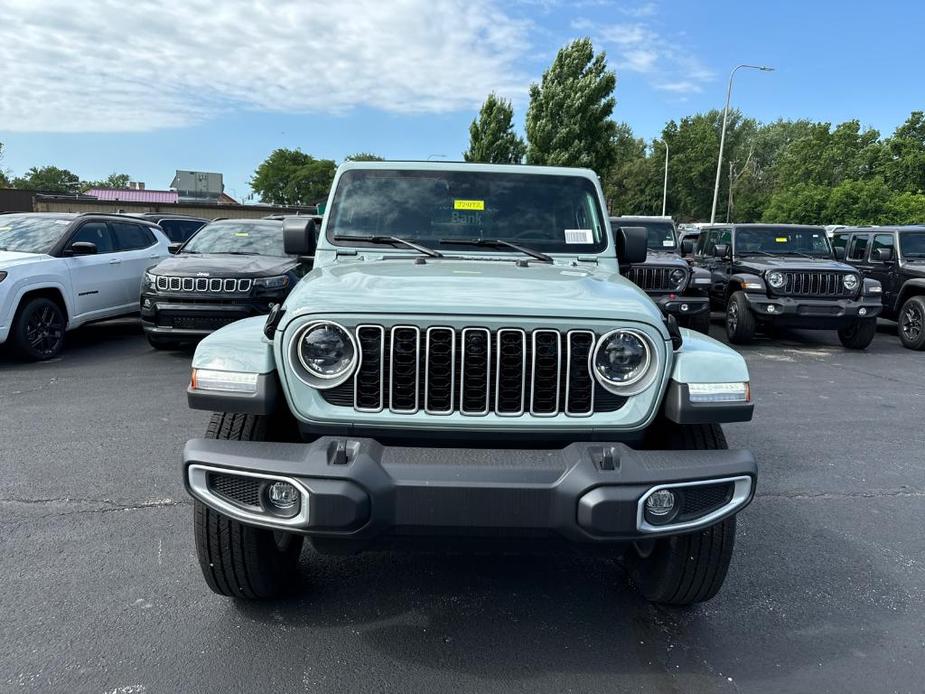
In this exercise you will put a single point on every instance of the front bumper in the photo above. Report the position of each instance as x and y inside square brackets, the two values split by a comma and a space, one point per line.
[813, 313]
[358, 489]
[679, 306]
[170, 317]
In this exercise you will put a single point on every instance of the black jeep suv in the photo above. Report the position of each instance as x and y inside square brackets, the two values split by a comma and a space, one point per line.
[895, 257]
[767, 275]
[230, 269]
[177, 227]
[673, 284]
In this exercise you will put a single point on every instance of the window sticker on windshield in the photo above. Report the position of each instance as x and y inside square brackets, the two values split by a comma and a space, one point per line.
[62, 221]
[469, 205]
[579, 236]
[781, 239]
[668, 243]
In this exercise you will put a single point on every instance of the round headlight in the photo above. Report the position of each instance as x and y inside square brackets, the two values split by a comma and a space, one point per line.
[776, 279]
[850, 282]
[622, 358]
[677, 278]
[326, 350]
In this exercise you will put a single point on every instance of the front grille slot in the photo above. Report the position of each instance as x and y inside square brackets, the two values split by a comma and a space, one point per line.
[812, 284]
[404, 369]
[579, 384]
[547, 372]
[241, 490]
[476, 371]
[439, 370]
[369, 381]
[511, 371]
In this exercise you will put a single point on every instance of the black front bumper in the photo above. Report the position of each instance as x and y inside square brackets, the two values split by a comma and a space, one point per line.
[358, 489]
[168, 317]
[813, 313]
[680, 306]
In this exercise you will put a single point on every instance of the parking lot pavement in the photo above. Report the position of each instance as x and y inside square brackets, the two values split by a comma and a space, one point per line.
[101, 590]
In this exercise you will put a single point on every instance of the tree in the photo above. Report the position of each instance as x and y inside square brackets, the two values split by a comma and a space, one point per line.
[904, 165]
[492, 139]
[568, 121]
[113, 180]
[364, 156]
[48, 179]
[291, 177]
[5, 181]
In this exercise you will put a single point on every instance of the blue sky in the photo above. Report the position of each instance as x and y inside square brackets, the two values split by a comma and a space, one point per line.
[105, 86]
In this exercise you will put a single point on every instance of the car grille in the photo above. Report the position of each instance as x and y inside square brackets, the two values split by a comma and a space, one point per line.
[237, 488]
[654, 278]
[474, 371]
[813, 284]
[166, 283]
[190, 320]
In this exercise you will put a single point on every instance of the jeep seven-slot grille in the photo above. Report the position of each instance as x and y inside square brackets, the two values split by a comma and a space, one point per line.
[813, 284]
[474, 371]
[166, 283]
[652, 278]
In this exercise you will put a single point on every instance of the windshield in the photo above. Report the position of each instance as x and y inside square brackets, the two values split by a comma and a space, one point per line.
[913, 245]
[552, 214]
[660, 234]
[238, 237]
[783, 241]
[28, 233]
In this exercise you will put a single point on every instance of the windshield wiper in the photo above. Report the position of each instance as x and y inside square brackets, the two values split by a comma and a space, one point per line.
[499, 243]
[770, 255]
[390, 240]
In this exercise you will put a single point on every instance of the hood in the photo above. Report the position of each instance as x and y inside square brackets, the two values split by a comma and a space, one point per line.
[663, 258]
[471, 287]
[223, 265]
[10, 259]
[763, 263]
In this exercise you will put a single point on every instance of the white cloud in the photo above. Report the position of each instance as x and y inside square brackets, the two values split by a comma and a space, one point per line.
[108, 65]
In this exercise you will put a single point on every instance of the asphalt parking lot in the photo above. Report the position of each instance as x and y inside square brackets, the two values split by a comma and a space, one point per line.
[101, 590]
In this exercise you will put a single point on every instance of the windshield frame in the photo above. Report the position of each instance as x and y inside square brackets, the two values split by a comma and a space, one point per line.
[251, 223]
[331, 229]
[903, 235]
[652, 224]
[780, 229]
[63, 221]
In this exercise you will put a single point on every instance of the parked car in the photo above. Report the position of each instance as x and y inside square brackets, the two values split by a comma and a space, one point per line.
[677, 288]
[230, 269]
[59, 271]
[465, 361]
[177, 227]
[766, 275]
[895, 257]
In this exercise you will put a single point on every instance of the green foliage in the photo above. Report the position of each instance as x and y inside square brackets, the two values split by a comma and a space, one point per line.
[291, 177]
[363, 156]
[568, 121]
[904, 165]
[492, 138]
[48, 179]
[113, 180]
[5, 181]
[906, 208]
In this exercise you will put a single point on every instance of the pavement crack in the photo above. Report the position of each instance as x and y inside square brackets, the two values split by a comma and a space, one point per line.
[871, 494]
[110, 507]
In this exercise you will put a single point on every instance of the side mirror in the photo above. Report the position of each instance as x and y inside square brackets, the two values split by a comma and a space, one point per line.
[83, 248]
[300, 237]
[687, 247]
[883, 255]
[839, 252]
[720, 250]
[631, 245]
[173, 248]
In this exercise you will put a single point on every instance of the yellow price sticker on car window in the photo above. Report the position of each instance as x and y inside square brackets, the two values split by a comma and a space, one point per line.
[782, 239]
[240, 233]
[469, 205]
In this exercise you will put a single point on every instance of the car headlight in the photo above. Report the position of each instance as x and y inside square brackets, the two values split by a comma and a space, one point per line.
[678, 278]
[850, 282]
[623, 362]
[775, 279]
[149, 282]
[277, 282]
[327, 353]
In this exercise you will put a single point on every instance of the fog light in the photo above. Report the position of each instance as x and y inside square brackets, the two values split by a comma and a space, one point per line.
[684, 307]
[660, 506]
[770, 308]
[862, 311]
[283, 499]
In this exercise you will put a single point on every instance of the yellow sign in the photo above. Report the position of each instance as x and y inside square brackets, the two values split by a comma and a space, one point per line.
[469, 205]
[782, 239]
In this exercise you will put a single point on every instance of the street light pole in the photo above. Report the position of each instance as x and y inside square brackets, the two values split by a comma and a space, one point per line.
[665, 184]
[722, 135]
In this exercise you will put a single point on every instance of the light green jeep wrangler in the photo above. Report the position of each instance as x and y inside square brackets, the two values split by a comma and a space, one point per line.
[465, 365]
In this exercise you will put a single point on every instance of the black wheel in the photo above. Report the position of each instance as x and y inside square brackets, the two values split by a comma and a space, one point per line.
[683, 569]
[859, 334]
[159, 342]
[911, 323]
[239, 560]
[38, 329]
[700, 323]
[740, 323]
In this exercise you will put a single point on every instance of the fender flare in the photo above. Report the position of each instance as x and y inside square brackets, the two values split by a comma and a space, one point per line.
[743, 280]
[910, 288]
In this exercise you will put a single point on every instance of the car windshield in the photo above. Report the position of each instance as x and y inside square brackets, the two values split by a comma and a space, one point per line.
[783, 241]
[29, 233]
[238, 237]
[913, 245]
[547, 213]
[660, 234]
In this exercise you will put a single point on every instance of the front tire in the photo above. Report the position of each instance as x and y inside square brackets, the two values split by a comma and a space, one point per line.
[690, 568]
[740, 323]
[859, 334]
[238, 560]
[911, 323]
[38, 329]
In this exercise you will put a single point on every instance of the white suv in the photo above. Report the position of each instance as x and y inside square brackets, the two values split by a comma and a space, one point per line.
[59, 271]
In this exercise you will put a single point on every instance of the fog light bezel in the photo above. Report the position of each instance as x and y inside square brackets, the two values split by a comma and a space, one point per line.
[743, 486]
